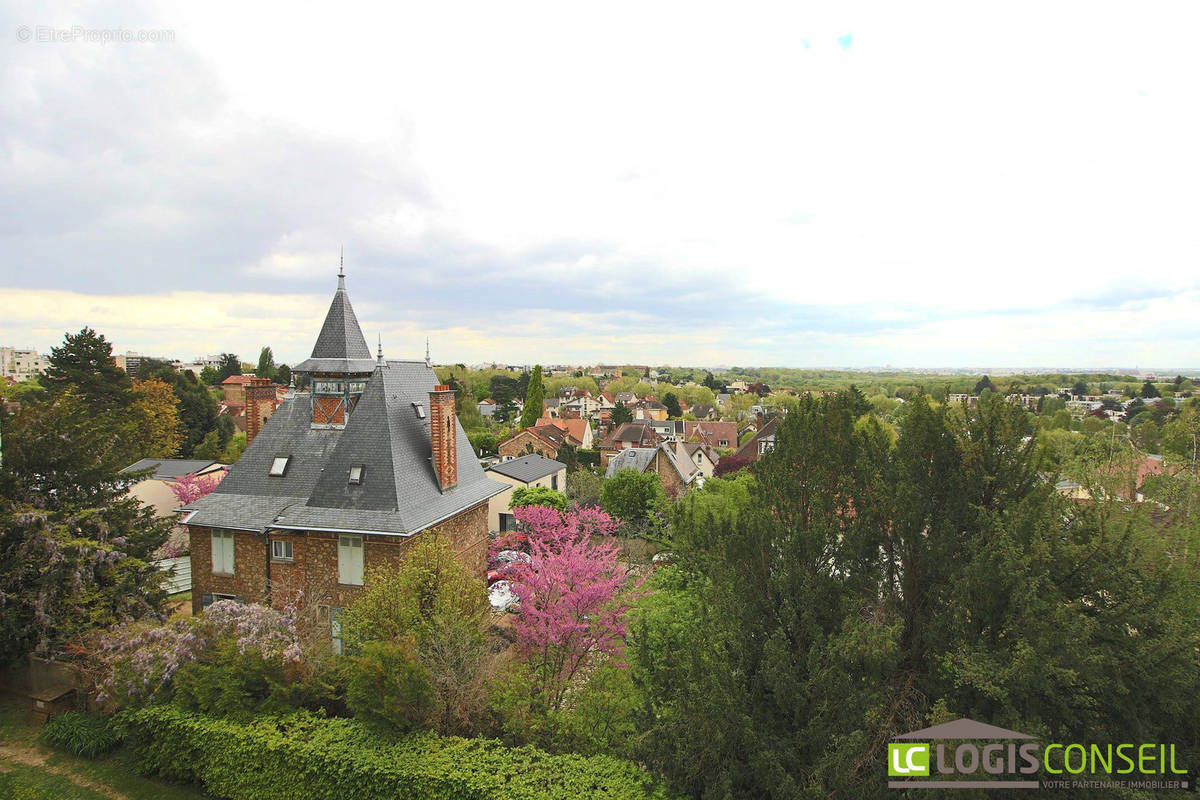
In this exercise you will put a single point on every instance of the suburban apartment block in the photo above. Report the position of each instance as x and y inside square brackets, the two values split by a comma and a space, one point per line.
[20, 365]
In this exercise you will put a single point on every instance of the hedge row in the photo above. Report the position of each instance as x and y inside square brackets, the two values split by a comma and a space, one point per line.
[308, 757]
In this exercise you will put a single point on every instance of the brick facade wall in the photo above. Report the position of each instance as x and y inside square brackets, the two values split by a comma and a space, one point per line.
[314, 565]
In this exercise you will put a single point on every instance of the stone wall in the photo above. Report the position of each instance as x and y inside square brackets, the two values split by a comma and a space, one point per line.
[523, 444]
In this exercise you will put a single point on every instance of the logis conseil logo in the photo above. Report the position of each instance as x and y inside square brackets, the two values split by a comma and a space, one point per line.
[975, 755]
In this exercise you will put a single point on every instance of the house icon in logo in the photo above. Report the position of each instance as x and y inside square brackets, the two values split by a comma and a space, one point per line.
[911, 756]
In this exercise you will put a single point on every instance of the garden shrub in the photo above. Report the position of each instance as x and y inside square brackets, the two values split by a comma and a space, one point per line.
[87, 735]
[310, 757]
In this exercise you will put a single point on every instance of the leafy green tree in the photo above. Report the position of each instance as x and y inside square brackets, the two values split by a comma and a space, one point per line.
[156, 409]
[713, 384]
[534, 400]
[1150, 390]
[418, 631]
[538, 496]
[209, 376]
[503, 389]
[482, 442]
[65, 574]
[583, 487]
[672, 403]
[283, 375]
[196, 406]
[230, 365]
[266, 364]
[621, 414]
[1079, 388]
[632, 496]
[84, 364]
[73, 543]
[863, 588]
[984, 383]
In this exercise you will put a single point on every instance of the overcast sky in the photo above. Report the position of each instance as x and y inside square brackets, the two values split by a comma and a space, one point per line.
[897, 183]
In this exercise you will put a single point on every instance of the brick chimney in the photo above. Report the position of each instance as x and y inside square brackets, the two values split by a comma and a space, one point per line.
[443, 436]
[759, 421]
[260, 405]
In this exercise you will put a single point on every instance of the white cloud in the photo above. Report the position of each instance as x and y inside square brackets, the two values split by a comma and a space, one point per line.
[925, 168]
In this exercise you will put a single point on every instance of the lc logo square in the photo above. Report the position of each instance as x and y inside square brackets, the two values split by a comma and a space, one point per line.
[907, 760]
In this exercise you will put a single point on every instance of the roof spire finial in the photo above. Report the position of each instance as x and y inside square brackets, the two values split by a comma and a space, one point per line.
[379, 358]
[427, 361]
[341, 270]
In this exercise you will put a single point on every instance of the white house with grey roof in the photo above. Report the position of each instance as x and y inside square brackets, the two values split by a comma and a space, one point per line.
[522, 473]
[341, 479]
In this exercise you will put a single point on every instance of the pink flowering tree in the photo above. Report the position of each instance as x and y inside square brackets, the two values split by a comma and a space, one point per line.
[572, 600]
[137, 662]
[192, 487]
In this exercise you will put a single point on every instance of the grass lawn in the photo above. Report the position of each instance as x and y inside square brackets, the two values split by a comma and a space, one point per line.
[31, 770]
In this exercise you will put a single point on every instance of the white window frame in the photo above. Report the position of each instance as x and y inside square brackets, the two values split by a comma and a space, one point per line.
[356, 474]
[350, 559]
[279, 466]
[223, 552]
[281, 550]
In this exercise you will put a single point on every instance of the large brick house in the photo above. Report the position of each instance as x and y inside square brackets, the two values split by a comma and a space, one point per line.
[339, 480]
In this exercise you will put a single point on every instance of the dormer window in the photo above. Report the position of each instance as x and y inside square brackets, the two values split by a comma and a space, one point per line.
[279, 466]
[356, 473]
[420, 409]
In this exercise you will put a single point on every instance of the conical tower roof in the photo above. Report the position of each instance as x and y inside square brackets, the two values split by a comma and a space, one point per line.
[341, 346]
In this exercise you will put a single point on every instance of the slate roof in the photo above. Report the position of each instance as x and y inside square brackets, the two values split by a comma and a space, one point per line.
[169, 468]
[341, 346]
[528, 468]
[642, 458]
[631, 432]
[636, 458]
[399, 493]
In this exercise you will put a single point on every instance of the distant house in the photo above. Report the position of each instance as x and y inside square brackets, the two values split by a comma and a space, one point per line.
[582, 403]
[486, 407]
[544, 440]
[630, 434]
[703, 456]
[550, 406]
[713, 434]
[762, 442]
[579, 431]
[234, 388]
[704, 411]
[674, 468]
[628, 398]
[524, 472]
[649, 408]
